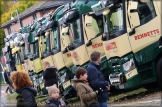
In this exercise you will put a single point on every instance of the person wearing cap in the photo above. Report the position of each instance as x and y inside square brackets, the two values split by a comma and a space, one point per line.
[7, 78]
[53, 100]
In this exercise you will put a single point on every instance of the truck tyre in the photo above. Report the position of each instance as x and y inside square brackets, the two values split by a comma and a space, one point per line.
[159, 71]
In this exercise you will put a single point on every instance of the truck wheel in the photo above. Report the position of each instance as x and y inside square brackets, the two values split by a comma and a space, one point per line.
[159, 71]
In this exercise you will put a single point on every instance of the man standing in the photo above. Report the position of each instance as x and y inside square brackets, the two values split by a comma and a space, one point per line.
[49, 75]
[7, 79]
[96, 79]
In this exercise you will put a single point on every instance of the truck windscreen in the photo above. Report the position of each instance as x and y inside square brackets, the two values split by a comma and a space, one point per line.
[114, 20]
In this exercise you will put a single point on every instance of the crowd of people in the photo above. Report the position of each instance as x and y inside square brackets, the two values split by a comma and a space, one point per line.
[89, 83]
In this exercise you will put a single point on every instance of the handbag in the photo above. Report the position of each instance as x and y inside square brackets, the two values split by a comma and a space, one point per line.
[96, 104]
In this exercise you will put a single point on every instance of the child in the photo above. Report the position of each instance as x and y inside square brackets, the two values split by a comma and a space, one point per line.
[54, 101]
[87, 96]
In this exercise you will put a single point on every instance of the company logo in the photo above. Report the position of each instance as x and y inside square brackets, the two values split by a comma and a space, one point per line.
[150, 33]
[111, 46]
[68, 55]
[97, 45]
[75, 55]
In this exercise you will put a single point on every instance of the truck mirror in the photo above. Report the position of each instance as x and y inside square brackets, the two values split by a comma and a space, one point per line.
[47, 33]
[86, 1]
[145, 1]
[36, 38]
[105, 37]
[133, 14]
[64, 25]
[89, 43]
[105, 12]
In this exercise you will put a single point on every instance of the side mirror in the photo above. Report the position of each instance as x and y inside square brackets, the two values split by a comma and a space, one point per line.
[89, 43]
[105, 37]
[65, 51]
[22, 61]
[105, 12]
[86, 1]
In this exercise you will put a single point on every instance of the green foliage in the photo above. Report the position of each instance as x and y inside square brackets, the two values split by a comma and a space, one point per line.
[6, 8]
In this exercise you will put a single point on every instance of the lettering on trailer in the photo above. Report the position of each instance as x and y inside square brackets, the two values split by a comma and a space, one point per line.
[97, 45]
[150, 33]
[69, 55]
[111, 46]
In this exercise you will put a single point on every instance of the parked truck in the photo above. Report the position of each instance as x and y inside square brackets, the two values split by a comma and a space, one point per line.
[132, 41]
[126, 33]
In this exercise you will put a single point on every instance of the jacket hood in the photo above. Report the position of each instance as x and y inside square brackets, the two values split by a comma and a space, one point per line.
[76, 81]
[33, 90]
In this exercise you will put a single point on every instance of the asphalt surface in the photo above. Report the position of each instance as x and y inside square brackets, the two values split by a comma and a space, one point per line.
[3, 98]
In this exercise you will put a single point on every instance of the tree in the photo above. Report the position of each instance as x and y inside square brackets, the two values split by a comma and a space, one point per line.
[6, 8]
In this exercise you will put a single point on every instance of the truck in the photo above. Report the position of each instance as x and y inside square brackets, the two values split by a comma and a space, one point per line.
[50, 44]
[132, 41]
[81, 33]
[12, 54]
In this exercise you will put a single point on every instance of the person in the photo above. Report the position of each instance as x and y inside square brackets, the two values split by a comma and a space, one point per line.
[23, 86]
[7, 79]
[49, 75]
[53, 100]
[86, 94]
[96, 79]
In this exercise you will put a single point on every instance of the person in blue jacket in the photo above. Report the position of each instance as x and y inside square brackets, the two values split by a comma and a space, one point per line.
[96, 79]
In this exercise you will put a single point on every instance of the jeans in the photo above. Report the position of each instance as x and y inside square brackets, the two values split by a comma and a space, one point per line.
[103, 104]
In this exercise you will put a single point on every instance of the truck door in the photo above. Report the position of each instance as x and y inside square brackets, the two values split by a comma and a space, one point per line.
[65, 41]
[145, 36]
[93, 29]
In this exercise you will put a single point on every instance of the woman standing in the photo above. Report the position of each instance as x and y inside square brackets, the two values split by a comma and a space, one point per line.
[87, 95]
[49, 75]
[23, 86]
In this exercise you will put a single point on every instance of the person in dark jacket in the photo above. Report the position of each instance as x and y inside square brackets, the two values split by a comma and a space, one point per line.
[23, 86]
[49, 75]
[7, 79]
[53, 100]
[96, 79]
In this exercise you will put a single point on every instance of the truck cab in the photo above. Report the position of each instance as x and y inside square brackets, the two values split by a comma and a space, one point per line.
[131, 40]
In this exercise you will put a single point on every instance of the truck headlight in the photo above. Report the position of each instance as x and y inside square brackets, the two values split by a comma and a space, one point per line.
[63, 78]
[129, 65]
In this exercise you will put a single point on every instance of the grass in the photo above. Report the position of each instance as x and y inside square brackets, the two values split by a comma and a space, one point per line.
[3, 84]
[112, 97]
[41, 99]
[12, 96]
